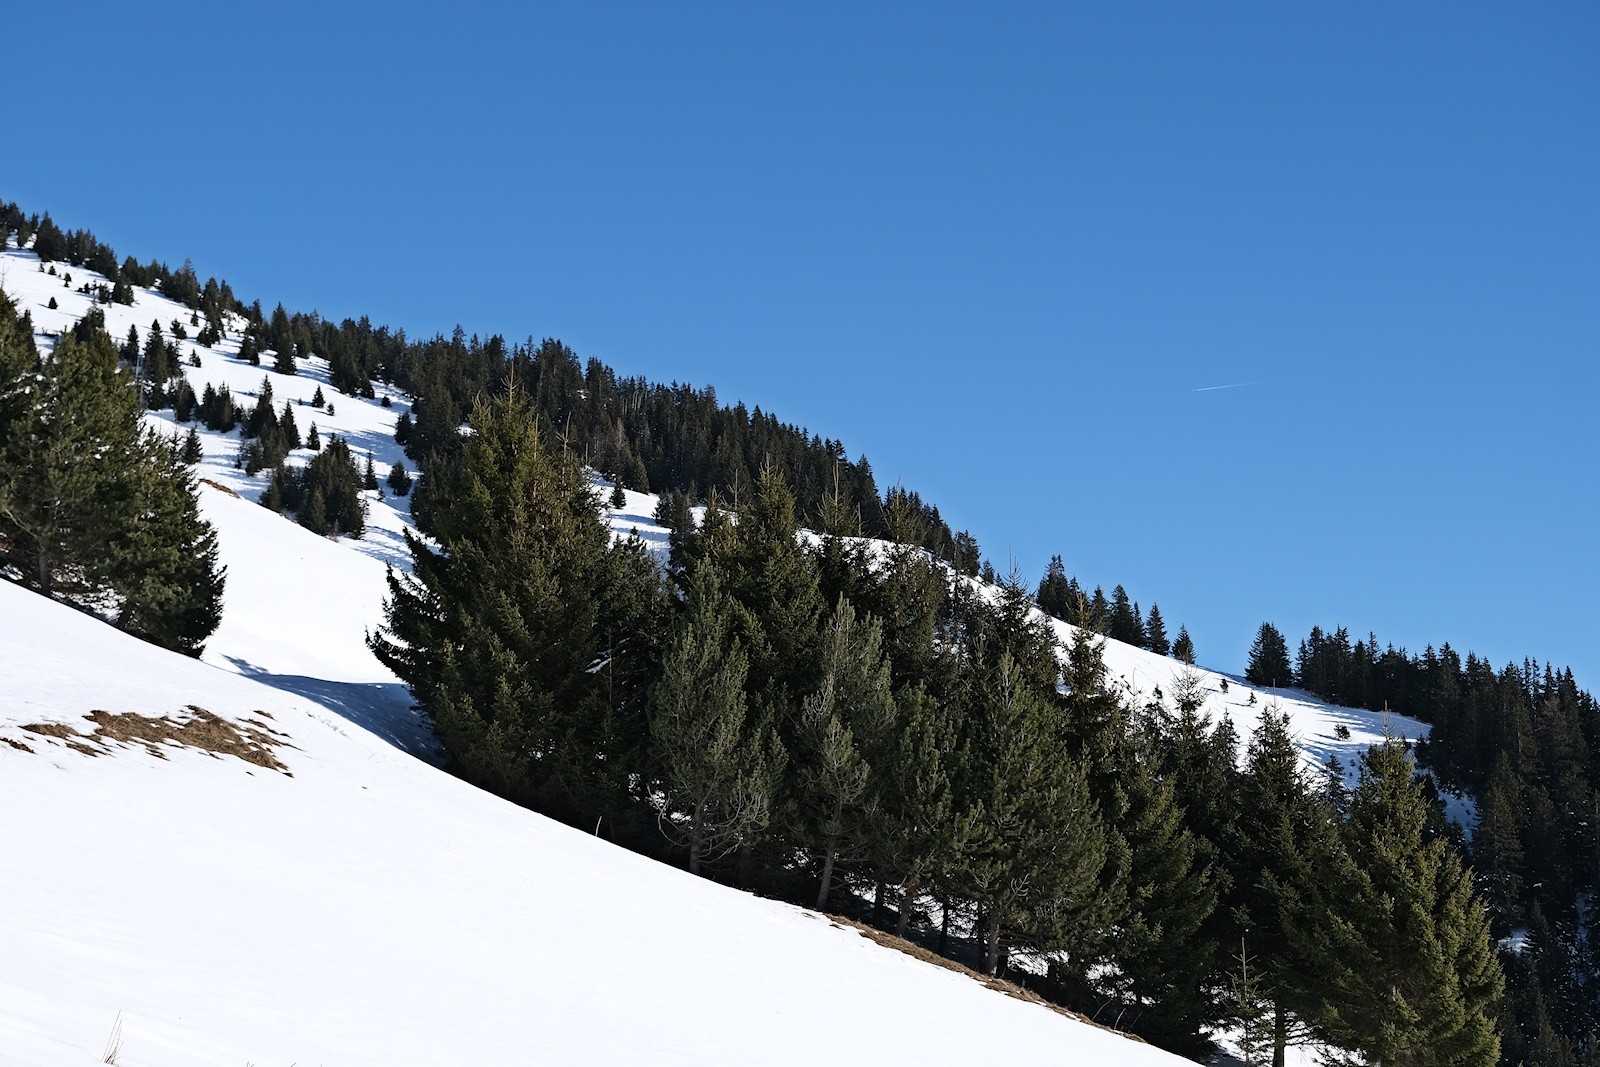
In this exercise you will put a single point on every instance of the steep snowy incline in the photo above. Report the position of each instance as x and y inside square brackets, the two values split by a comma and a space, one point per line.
[365, 908]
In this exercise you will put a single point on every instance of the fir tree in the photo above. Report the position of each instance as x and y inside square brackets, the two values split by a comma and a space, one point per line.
[192, 451]
[1406, 967]
[399, 481]
[846, 723]
[1054, 595]
[314, 439]
[1155, 632]
[720, 766]
[1269, 659]
[1183, 647]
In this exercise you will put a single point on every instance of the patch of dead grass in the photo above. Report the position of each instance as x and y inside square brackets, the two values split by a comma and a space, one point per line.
[999, 985]
[218, 485]
[195, 727]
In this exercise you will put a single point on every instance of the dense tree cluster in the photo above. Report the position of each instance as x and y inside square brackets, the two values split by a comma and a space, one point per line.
[862, 729]
[95, 510]
[1063, 598]
[1525, 741]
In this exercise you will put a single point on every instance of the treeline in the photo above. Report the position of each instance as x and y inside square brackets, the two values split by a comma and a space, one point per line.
[1116, 616]
[643, 435]
[94, 509]
[1523, 741]
[857, 728]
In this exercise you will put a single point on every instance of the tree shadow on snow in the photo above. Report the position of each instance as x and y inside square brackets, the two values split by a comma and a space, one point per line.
[383, 709]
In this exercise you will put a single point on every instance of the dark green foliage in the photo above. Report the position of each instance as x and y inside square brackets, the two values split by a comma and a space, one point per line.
[398, 480]
[317, 399]
[369, 475]
[402, 428]
[192, 452]
[720, 766]
[1125, 623]
[1155, 632]
[502, 633]
[618, 498]
[1183, 647]
[1406, 971]
[314, 439]
[1269, 658]
[92, 507]
[283, 359]
[49, 243]
[1055, 594]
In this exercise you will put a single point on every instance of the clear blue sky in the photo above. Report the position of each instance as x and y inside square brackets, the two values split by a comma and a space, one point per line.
[1005, 253]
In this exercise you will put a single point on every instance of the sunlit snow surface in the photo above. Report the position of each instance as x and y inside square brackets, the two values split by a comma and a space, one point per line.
[367, 908]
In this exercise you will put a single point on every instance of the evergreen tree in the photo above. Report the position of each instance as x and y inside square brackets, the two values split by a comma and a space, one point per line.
[192, 452]
[314, 439]
[283, 359]
[1054, 594]
[500, 632]
[163, 565]
[1183, 647]
[845, 725]
[1155, 630]
[399, 481]
[1407, 970]
[1282, 846]
[720, 767]
[1269, 659]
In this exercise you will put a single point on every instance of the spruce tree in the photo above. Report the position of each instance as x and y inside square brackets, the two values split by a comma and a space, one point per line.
[192, 452]
[1053, 594]
[1155, 631]
[1406, 967]
[499, 631]
[1183, 647]
[1269, 659]
[846, 724]
[720, 766]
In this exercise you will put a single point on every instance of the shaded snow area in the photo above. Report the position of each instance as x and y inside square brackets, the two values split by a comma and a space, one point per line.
[253, 858]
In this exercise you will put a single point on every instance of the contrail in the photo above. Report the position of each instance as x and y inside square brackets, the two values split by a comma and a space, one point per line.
[1235, 385]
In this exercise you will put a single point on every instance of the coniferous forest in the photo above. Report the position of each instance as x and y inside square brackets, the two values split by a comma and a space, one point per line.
[846, 720]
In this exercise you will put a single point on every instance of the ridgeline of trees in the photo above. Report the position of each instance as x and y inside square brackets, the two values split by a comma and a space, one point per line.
[645, 436]
[875, 735]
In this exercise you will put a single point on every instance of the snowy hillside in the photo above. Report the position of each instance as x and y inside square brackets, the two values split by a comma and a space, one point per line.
[361, 906]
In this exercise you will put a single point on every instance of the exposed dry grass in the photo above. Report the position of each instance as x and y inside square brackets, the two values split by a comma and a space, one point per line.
[195, 727]
[999, 985]
[14, 743]
[218, 485]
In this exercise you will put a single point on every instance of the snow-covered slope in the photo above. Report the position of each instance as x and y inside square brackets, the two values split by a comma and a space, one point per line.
[359, 906]
[364, 907]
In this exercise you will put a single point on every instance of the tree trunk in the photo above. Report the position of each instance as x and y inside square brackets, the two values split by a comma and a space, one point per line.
[877, 906]
[991, 942]
[908, 896]
[827, 878]
[694, 839]
[44, 572]
[1280, 1033]
[944, 925]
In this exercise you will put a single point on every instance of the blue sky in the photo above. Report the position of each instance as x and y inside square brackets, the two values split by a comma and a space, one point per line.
[1005, 253]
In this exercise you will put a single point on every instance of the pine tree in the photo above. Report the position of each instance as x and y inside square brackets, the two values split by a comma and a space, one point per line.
[720, 766]
[1269, 659]
[314, 439]
[845, 724]
[283, 359]
[1155, 629]
[399, 481]
[1406, 966]
[192, 452]
[1054, 591]
[1183, 647]
[1282, 846]
[164, 565]
[318, 400]
[500, 632]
